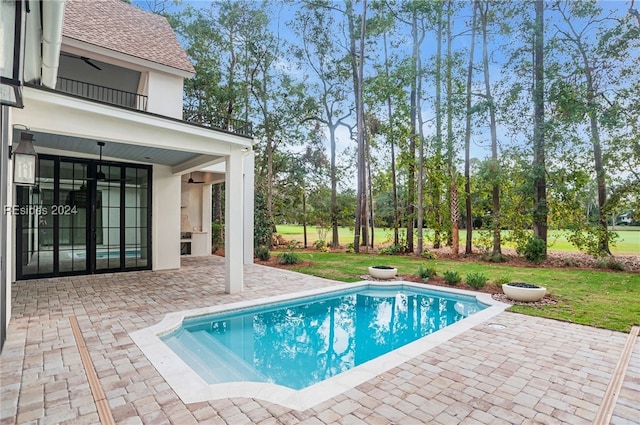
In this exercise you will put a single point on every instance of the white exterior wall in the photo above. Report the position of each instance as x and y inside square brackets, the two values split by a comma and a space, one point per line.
[165, 94]
[165, 219]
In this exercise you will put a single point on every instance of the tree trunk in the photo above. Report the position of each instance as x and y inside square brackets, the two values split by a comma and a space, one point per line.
[357, 66]
[415, 84]
[435, 182]
[304, 217]
[540, 211]
[394, 182]
[494, 137]
[467, 138]
[335, 242]
[453, 203]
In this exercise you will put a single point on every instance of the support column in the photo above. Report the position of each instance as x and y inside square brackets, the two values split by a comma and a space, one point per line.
[248, 193]
[233, 220]
[207, 218]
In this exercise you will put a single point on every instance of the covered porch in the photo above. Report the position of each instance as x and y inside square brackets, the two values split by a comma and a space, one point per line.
[145, 161]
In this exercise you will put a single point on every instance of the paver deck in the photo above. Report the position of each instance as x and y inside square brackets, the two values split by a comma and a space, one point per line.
[534, 371]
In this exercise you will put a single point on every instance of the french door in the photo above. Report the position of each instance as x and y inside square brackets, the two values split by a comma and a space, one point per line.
[83, 217]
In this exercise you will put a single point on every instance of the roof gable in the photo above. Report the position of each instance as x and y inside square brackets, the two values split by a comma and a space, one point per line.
[123, 28]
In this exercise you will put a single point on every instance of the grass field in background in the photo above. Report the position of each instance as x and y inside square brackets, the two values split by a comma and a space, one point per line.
[628, 242]
[603, 299]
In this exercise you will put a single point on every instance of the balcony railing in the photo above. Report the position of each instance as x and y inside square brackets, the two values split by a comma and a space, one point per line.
[103, 94]
[232, 125]
[139, 102]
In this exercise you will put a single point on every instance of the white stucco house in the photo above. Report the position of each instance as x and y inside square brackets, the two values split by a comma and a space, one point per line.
[122, 181]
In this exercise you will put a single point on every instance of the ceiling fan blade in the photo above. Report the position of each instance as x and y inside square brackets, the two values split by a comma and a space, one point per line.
[88, 62]
[82, 58]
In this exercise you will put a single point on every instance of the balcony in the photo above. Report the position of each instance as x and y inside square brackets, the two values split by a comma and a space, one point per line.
[139, 102]
[102, 94]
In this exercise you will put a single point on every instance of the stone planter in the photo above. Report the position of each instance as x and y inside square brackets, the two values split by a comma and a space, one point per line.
[523, 292]
[383, 272]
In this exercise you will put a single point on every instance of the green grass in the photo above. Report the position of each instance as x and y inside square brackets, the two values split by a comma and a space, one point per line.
[628, 242]
[590, 297]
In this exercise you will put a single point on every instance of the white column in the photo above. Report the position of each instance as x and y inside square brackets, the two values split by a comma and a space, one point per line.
[166, 218]
[206, 212]
[248, 185]
[233, 232]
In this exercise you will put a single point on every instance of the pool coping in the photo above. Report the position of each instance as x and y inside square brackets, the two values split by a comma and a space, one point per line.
[191, 388]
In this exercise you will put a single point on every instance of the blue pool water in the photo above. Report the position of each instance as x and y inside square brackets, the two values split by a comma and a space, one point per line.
[101, 255]
[304, 341]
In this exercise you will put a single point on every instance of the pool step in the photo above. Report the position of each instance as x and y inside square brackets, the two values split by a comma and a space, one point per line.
[193, 360]
[212, 360]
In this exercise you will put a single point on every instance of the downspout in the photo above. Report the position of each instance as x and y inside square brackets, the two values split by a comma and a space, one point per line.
[52, 19]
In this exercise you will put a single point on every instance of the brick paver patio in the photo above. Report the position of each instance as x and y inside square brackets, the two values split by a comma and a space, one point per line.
[534, 371]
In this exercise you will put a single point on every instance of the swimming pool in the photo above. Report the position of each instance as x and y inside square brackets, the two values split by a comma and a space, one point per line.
[299, 350]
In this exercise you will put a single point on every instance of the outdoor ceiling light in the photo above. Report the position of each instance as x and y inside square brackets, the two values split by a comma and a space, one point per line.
[25, 159]
[11, 52]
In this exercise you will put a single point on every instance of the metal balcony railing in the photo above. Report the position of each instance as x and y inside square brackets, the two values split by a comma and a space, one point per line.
[139, 102]
[103, 94]
[232, 125]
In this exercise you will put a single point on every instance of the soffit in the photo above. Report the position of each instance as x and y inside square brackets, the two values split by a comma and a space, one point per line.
[112, 150]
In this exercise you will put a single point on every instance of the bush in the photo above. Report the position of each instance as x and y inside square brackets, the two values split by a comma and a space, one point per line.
[452, 277]
[502, 280]
[289, 258]
[350, 249]
[393, 250]
[426, 272]
[321, 245]
[263, 253]
[609, 263]
[428, 255]
[534, 250]
[476, 280]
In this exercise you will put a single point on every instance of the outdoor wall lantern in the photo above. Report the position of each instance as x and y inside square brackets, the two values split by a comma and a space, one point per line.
[25, 159]
[11, 52]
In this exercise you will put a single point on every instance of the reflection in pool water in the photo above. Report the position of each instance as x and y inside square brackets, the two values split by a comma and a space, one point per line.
[308, 341]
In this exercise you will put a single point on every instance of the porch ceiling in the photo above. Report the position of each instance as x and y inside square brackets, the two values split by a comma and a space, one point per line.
[123, 151]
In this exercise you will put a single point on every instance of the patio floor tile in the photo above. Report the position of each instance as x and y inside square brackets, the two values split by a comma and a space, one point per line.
[532, 371]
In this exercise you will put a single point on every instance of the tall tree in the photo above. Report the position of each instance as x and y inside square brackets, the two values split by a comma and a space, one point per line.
[357, 58]
[582, 93]
[540, 211]
[467, 135]
[484, 11]
[314, 25]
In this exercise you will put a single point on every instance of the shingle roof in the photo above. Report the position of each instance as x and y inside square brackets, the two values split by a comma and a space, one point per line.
[118, 26]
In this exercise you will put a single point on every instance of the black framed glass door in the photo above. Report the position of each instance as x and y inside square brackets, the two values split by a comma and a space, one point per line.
[83, 217]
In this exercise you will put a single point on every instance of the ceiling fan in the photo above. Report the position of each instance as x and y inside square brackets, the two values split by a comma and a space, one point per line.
[191, 181]
[82, 58]
[100, 175]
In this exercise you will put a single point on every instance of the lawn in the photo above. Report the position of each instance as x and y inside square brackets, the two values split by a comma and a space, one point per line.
[628, 242]
[596, 298]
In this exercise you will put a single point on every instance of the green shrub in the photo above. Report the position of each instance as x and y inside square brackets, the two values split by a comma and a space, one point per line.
[426, 272]
[534, 250]
[392, 250]
[263, 253]
[320, 245]
[609, 263]
[502, 280]
[350, 249]
[476, 280]
[428, 255]
[452, 277]
[289, 258]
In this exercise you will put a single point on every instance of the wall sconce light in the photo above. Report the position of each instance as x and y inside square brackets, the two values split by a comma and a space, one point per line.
[25, 159]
